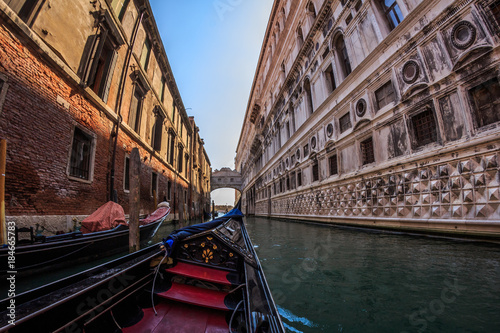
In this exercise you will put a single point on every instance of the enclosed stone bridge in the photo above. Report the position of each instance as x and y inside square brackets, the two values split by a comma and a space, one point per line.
[226, 178]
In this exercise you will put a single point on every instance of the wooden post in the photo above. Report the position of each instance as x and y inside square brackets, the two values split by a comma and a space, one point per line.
[3, 160]
[135, 185]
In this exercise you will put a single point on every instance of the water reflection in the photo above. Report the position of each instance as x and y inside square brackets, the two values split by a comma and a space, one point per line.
[343, 280]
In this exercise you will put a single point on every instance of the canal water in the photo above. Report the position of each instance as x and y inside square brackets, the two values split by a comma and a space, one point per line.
[330, 279]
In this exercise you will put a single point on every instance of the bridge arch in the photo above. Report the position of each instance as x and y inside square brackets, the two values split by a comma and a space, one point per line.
[226, 178]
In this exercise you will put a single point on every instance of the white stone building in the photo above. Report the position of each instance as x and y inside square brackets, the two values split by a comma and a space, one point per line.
[377, 113]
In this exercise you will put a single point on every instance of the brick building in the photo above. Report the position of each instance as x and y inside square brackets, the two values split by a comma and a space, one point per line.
[81, 84]
[200, 175]
[377, 113]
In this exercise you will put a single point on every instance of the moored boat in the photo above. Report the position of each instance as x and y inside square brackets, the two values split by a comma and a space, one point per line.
[207, 279]
[53, 252]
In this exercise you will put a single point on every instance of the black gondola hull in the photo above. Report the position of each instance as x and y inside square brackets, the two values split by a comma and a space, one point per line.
[39, 257]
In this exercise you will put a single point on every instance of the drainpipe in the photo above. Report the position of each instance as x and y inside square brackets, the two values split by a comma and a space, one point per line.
[116, 127]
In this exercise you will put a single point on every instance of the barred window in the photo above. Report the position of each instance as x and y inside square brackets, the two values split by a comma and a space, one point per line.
[332, 163]
[81, 153]
[345, 122]
[367, 154]
[424, 128]
[495, 10]
[315, 171]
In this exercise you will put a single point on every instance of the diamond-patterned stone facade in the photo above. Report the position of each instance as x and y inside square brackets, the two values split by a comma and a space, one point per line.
[462, 189]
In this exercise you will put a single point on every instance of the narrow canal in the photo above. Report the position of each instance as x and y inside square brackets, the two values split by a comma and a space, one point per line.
[347, 280]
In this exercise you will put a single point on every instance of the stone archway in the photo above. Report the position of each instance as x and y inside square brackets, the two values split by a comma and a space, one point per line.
[226, 178]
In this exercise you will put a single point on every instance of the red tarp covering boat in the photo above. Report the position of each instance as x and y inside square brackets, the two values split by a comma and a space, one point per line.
[108, 216]
[156, 215]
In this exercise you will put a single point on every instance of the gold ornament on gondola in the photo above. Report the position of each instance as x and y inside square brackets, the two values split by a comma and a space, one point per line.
[207, 255]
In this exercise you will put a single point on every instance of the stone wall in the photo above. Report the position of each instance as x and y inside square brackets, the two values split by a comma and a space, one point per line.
[457, 192]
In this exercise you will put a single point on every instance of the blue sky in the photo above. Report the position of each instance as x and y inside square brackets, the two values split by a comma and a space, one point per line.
[213, 47]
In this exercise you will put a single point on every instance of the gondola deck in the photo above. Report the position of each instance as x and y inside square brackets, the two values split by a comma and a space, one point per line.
[175, 317]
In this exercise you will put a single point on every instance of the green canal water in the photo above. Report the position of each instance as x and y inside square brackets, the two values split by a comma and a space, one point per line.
[328, 279]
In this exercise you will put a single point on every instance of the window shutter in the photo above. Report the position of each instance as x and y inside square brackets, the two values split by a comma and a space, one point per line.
[109, 76]
[95, 59]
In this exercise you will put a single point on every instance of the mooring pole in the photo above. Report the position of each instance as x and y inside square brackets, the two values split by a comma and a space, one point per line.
[3, 160]
[135, 184]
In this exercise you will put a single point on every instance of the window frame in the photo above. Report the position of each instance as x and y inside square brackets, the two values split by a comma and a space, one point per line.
[154, 183]
[123, 8]
[367, 150]
[415, 144]
[107, 37]
[479, 121]
[330, 79]
[157, 132]
[139, 86]
[330, 159]
[91, 159]
[147, 47]
[391, 9]
[342, 55]
[343, 129]
[28, 12]
[315, 171]
[381, 88]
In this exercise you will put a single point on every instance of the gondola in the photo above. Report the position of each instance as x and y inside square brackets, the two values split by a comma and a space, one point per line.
[54, 252]
[204, 278]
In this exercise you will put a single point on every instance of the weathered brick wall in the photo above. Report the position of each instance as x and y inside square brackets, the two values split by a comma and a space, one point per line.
[39, 134]
[37, 119]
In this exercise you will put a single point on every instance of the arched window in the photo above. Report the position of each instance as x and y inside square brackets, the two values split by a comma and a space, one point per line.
[392, 12]
[309, 102]
[311, 10]
[343, 56]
